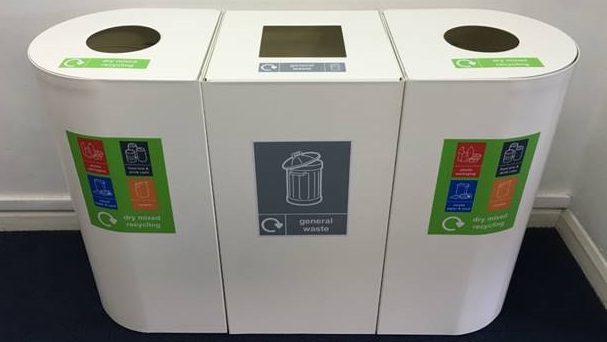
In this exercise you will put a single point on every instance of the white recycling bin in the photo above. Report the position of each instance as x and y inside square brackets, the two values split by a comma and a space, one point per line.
[123, 92]
[302, 112]
[483, 94]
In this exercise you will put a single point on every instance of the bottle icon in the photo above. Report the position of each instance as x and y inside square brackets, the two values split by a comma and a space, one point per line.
[88, 150]
[468, 155]
[462, 155]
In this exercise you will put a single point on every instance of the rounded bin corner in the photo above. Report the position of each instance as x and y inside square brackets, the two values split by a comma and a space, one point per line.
[479, 325]
[477, 45]
[130, 325]
[152, 44]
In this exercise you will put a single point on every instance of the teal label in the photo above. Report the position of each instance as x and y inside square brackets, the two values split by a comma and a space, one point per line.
[507, 62]
[480, 184]
[124, 183]
[104, 63]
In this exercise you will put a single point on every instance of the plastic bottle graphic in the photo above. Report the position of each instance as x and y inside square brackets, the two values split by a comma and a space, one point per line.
[88, 150]
[462, 155]
[303, 178]
[142, 189]
[131, 153]
[468, 155]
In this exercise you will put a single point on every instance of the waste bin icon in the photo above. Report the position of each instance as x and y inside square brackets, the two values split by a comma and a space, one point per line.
[303, 178]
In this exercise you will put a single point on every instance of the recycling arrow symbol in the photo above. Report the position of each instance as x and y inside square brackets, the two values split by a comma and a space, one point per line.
[271, 225]
[73, 63]
[268, 67]
[465, 63]
[448, 226]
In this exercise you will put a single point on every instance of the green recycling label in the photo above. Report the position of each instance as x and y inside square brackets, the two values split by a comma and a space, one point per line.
[480, 184]
[104, 63]
[504, 62]
[124, 183]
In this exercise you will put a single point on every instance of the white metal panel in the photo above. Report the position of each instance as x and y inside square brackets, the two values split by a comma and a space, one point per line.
[148, 282]
[302, 284]
[445, 284]
[369, 53]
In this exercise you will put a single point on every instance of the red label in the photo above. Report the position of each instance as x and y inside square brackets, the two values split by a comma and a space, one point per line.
[468, 159]
[93, 156]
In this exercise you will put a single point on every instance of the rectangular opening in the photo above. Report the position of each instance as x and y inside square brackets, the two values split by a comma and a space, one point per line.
[302, 41]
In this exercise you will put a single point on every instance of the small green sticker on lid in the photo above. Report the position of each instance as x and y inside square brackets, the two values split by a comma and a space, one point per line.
[505, 62]
[104, 63]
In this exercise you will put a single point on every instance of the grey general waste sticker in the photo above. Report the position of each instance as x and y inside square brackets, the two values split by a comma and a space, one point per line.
[302, 187]
[301, 67]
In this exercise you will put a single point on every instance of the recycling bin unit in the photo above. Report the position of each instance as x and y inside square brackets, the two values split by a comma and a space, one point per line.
[302, 112]
[123, 92]
[483, 94]
[321, 198]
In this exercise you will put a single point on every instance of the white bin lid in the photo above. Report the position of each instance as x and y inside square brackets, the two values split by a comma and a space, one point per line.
[296, 46]
[426, 55]
[185, 35]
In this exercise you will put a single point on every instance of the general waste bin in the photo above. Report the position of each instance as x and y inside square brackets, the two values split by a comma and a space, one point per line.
[483, 93]
[304, 178]
[123, 93]
[314, 97]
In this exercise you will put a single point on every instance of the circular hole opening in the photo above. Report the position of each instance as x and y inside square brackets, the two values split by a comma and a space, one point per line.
[123, 39]
[481, 39]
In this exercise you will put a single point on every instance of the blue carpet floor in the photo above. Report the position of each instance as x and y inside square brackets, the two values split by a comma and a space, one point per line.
[47, 293]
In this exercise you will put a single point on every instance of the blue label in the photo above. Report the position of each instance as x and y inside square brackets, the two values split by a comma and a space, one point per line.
[103, 192]
[511, 159]
[461, 195]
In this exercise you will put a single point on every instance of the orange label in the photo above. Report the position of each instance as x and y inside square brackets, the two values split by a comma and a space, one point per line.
[502, 193]
[143, 193]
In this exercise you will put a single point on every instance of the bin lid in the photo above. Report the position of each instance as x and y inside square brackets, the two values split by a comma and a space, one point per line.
[301, 160]
[456, 44]
[128, 44]
[302, 46]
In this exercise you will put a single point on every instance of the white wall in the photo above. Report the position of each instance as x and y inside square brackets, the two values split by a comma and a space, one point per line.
[29, 166]
[589, 203]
